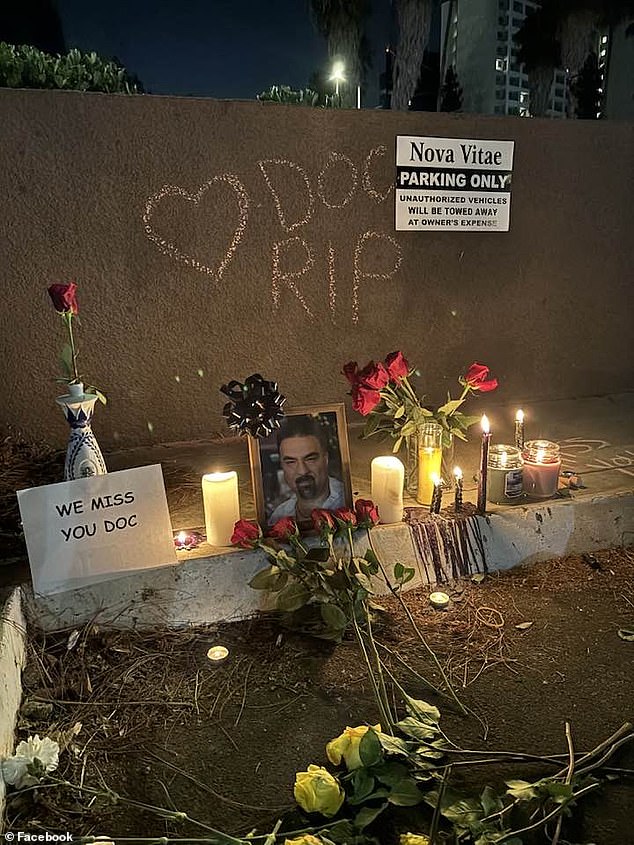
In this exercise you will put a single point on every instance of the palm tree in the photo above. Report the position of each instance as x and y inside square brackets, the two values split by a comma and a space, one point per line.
[342, 23]
[413, 18]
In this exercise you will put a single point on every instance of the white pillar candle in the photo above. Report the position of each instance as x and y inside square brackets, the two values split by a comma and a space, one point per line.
[388, 473]
[222, 506]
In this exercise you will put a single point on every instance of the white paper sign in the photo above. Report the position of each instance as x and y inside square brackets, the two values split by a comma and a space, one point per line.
[453, 184]
[94, 529]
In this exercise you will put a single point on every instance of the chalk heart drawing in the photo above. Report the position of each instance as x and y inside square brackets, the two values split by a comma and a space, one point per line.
[170, 248]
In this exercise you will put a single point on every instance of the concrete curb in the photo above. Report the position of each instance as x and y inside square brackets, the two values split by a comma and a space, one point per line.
[211, 589]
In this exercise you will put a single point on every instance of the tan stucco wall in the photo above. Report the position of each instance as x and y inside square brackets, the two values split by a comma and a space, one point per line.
[547, 305]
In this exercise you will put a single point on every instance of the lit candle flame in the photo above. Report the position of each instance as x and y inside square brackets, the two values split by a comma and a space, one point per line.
[181, 537]
[436, 479]
[519, 416]
[457, 472]
[540, 455]
[504, 458]
[485, 424]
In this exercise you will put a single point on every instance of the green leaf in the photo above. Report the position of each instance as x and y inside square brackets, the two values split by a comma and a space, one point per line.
[397, 445]
[292, 597]
[362, 785]
[403, 574]
[416, 729]
[317, 554]
[559, 792]
[391, 772]
[394, 745]
[398, 413]
[367, 815]
[463, 813]
[364, 581]
[370, 748]
[422, 711]
[450, 407]
[405, 794]
[491, 801]
[334, 617]
[521, 789]
[269, 578]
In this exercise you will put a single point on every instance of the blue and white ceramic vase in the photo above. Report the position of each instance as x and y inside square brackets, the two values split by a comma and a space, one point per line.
[83, 456]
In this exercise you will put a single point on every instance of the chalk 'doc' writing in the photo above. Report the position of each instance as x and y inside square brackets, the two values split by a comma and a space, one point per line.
[339, 183]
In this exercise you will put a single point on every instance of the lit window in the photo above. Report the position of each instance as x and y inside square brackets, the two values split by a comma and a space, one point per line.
[604, 39]
[603, 53]
[500, 65]
[524, 95]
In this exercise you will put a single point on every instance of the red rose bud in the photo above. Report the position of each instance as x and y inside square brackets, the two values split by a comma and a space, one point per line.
[364, 400]
[346, 515]
[350, 371]
[283, 529]
[323, 520]
[246, 534]
[367, 513]
[374, 376]
[64, 298]
[477, 378]
[396, 365]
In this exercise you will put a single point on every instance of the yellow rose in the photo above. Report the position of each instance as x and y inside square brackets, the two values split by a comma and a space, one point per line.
[413, 839]
[306, 839]
[317, 791]
[346, 747]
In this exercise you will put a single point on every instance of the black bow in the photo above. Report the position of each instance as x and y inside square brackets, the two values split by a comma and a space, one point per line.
[255, 407]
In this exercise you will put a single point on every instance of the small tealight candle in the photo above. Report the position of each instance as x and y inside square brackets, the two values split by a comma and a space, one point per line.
[457, 499]
[519, 429]
[439, 601]
[484, 462]
[388, 474]
[217, 653]
[186, 540]
[542, 463]
[222, 506]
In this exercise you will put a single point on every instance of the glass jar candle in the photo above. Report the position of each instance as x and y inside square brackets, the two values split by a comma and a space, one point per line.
[429, 460]
[504, 483]
[542, 463]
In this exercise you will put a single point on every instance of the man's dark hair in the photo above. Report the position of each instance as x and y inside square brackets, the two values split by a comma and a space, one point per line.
[302, 426]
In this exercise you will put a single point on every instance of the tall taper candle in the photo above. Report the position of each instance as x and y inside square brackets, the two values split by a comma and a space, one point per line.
[457, 499]
[222, 506]
[387, 487]
[484, 461]
[436, 499]
[519, 429]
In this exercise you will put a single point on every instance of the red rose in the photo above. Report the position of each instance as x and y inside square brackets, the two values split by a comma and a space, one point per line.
[346, 515]
[64, 298]
[323, 520]
[364, 400]
[350, 371]
[397, 366]
[283, 529]
[477, 377]
[374, 376]
[367, 512]
[246, 534]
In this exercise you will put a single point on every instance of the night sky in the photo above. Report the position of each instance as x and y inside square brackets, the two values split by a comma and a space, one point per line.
[212, 48]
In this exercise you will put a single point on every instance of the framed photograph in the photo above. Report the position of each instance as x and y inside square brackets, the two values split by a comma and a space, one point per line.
[305, 464]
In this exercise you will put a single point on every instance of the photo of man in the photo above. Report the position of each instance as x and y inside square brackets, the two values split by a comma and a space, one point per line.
[307, 480]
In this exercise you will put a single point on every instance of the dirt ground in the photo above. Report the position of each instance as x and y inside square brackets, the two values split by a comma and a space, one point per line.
[161, 725]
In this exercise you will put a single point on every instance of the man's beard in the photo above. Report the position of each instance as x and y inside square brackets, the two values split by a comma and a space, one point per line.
[306, 487]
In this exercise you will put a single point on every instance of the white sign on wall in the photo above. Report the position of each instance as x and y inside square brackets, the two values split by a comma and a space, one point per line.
[453, 184]
[94, 529]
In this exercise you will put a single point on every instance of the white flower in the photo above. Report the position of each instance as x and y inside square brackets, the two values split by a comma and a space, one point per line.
[43, 753]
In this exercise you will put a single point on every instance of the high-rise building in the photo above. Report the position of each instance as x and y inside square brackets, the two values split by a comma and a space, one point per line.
[477, 39]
